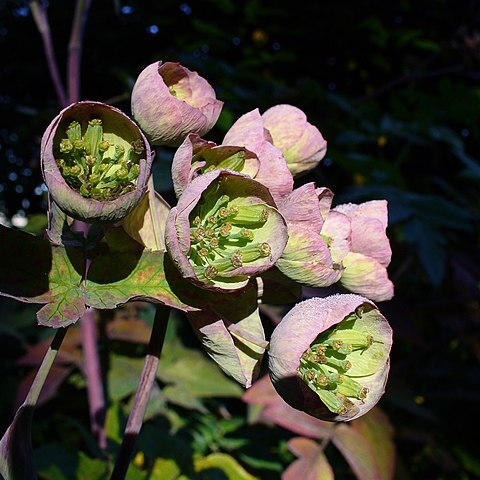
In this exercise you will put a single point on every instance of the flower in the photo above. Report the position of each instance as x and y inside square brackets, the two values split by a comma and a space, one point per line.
[95, 162]
[169, 101]
[249, 131]
[329, 357]
[301, 143]
[224, 229]
[365, 265]
[196, 156]
[308, 258]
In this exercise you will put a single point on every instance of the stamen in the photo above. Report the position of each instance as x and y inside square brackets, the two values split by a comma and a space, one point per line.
[254, 215]
[211, 272]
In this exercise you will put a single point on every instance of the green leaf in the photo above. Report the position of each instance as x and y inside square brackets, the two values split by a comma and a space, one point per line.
[165, 469]
[187, 385]
[90, 468]
[117, 277]
[123, 376]
[55, 276]
[114, 423]
[232, 469]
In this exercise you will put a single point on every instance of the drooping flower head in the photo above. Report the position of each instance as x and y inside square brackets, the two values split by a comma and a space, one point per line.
[95, 161]
[365, 265]
[249, 131]
[301, 143]
[224, 229]
[330, 356]
[170, 101]
[196, 156]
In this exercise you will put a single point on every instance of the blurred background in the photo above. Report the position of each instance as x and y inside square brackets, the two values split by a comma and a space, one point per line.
[394, 87]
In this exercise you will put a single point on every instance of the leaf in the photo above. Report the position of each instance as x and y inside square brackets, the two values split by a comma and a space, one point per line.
[137, 275]
[90, 468]
[367, 445]
[311, 464]
[238, 349]
[54, 277]
[185, 385]
[146, 223]
[276, 410]
[114, 423]
[232, 469]
[16, 455]
[165, 469]
[123, 376]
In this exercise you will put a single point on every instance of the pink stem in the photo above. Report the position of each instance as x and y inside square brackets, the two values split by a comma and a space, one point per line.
[40, 17]
[75, 49]
[93, 373]
[91, 362]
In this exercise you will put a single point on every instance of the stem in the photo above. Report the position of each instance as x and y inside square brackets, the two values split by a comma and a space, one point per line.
[75, 49]
[41, 376]
[93, 374]
[147, 379]
[16, 453]
[91, 361]
[40, 17]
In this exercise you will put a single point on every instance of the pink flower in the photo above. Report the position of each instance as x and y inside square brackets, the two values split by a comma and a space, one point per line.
[224, 229]
[301, 143]
[329, 357]
[169, 102]
[365, 266]
[196, 156]
[249, 132]
[95, 161]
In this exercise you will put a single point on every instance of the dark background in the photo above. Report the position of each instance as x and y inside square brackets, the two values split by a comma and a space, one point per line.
[394, 88]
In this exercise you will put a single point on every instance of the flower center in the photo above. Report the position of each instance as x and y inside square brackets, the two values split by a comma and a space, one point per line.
[222, 236]
[95, 167]
[327, 364]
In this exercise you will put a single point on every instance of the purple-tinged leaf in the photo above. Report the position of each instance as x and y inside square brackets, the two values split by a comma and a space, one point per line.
[367, 445]
[312, 464]
[276, 410]
[138, 275]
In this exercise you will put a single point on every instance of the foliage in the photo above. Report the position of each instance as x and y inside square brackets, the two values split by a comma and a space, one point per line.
[393, 89]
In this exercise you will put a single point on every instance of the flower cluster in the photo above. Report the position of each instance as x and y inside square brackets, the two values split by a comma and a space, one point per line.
[240, 221]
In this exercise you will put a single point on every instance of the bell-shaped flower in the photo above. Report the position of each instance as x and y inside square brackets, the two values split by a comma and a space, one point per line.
[196, 156]
[169, 101]
[301, 143]
[365, 266]
[224, 229]
[329, 357]
[309, 257]
[95, 162]
[249, 131]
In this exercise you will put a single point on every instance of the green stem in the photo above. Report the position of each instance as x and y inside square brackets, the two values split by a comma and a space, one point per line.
[39, 381]
[147, 380]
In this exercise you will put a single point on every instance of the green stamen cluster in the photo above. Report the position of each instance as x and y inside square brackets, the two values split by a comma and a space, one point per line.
[325, 365]
[95, 167]
[222, 236]
[235, 162]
